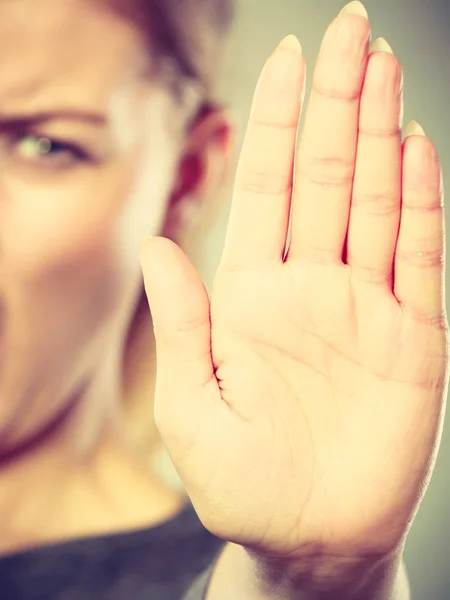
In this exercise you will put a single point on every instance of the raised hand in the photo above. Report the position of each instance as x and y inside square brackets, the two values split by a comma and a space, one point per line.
[302, 405]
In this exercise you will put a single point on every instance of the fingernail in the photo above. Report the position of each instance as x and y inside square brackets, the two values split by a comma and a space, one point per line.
[380, 45]
[354, 8]
[290, 42]
[413, 128]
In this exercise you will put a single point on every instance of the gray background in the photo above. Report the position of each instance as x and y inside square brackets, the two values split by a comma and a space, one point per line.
[419, 33]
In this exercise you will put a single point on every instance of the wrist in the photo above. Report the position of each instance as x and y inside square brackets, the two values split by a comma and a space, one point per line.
[330, 578]
[242, 575]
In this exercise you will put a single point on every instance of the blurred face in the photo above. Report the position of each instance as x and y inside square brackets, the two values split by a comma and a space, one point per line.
[87, 159]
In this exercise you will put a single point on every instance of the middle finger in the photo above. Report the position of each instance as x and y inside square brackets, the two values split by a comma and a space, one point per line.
[327, 149]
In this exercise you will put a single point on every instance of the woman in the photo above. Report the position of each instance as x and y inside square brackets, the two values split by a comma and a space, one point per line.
[282, 402]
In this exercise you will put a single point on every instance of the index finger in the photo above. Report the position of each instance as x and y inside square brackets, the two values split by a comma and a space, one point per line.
[259, 219]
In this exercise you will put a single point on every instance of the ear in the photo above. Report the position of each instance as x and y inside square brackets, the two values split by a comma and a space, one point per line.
[202, 168]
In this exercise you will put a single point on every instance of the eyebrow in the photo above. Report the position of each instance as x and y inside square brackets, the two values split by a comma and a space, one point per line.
[38, 118]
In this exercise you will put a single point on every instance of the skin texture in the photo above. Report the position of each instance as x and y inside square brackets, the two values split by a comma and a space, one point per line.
[298, 382]
[308, 409]
[120, 165]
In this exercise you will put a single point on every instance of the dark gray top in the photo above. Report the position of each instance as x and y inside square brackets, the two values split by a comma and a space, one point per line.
[171, 561]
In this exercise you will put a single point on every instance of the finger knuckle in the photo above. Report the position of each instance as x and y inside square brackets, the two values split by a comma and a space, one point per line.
[422, 258]
[327, 170]
[337, 93]
[274, 125]
[377, 204]
[369, 274]
[436, 320]
[264, 182]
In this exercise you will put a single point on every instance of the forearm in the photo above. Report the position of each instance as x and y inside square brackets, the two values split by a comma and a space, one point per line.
[240, 577]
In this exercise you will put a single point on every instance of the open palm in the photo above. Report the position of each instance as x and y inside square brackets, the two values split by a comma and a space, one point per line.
[302, 405]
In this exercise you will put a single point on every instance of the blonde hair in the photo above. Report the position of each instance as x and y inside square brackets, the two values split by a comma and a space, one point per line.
[189, 34]
[139, 377]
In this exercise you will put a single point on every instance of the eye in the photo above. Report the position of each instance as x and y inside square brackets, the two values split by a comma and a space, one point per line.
[46, 151]
[33, 147]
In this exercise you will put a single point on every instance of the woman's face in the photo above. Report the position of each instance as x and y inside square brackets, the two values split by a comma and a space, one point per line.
[87, 163]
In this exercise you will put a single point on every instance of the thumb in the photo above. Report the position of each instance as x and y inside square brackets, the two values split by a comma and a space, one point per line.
[180, 309]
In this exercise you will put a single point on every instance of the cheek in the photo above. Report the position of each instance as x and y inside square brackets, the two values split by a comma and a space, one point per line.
[69, 254]
[61, 269]
[80, 219]
[69, 246]
[46, 226]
